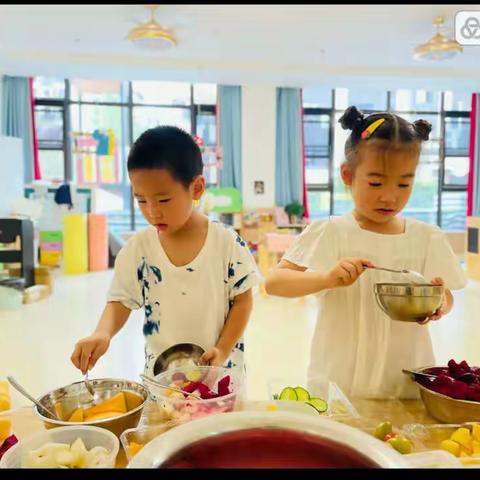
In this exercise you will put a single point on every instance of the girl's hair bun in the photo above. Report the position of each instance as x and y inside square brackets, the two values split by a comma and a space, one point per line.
[351, 118]
[423, 129]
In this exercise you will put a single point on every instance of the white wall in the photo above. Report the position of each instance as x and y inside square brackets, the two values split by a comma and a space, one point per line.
[258, 144]
[1, 99]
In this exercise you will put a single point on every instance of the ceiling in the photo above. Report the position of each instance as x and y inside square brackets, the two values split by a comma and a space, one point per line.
[279, 44]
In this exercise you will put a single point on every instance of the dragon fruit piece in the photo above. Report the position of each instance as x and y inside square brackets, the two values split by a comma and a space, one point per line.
[465, 366]
[8, 443]
[191, 387]
[459, 390]
[223, 385]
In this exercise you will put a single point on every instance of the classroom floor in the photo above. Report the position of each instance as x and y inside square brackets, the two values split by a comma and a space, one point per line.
[37, 340]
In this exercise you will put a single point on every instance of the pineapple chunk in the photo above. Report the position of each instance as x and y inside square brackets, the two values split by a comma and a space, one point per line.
[451, 446]
[462, 436]
[476, 432]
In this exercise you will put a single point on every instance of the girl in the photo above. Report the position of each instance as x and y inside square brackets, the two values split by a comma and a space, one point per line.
[355, 344]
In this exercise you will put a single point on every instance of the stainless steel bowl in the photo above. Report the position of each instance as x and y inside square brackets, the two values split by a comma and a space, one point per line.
[407, 302]
[65, 400]
[446, 409]
[162, 448]
[179, 355]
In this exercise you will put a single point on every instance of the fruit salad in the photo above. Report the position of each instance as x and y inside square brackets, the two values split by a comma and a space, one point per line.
[189, 395]
[63, 455]
[458, 381]
[300, 394]
[384, 431]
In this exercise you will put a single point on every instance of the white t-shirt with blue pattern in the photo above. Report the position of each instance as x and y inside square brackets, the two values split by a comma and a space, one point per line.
[186, 304]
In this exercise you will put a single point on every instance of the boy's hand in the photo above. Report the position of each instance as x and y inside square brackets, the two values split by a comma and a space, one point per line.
[214, 357]
[346, 272]
[442, 310]
[88, 350]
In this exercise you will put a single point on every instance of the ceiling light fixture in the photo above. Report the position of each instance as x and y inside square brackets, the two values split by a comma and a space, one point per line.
[439, 47]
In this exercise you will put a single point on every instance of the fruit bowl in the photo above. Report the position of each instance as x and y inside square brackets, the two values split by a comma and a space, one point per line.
[449, 399]
[204, 381]
[66, 400]
[407, 302]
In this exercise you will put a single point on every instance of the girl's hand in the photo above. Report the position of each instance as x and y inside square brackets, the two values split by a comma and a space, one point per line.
[346, 272]
[215, 357]
[442, 310]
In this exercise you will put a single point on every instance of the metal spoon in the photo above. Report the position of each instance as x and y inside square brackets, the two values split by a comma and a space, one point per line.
[20, 389]
[158, 384]
[418, 374]
[412, 276]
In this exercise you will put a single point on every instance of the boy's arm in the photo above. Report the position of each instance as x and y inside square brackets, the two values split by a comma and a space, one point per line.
[88, 350]
[235, 325]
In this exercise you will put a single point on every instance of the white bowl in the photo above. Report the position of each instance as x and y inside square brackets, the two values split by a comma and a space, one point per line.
[91, 436]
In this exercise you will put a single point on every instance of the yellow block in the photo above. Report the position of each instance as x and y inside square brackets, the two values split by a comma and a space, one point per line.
[75, 243]
[50, 258]
[5, 428]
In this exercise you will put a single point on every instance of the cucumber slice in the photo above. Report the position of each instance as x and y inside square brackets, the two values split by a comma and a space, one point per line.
[288, 393]
[194, 375]
[320, 405]
[302, 394]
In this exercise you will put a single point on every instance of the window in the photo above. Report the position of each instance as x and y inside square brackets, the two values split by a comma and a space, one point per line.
[111, 108]
[439, 194]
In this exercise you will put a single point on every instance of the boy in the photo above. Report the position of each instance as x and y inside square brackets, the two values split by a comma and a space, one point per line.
[192, 276]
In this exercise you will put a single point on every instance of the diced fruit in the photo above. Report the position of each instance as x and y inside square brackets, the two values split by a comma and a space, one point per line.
[302, 394]
[288, 393]
[132, 400]
[450, 446]
[223, 385]
[76, 416]
[8, 443]
[382, 430]
[134, 448]
[476, 432]
[401, 444]
[4, 388]
[318, 404]
[476, 448]
[5, 427]
[102, 416]
[462, 437]
[194, 375]
[388, 436]
[115, 404]
[4, 402]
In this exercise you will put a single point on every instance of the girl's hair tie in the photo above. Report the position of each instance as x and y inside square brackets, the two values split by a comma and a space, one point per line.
[368, 132]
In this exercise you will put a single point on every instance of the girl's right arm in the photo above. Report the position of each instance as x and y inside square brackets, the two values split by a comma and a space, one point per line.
[291, 280]
[88, 350]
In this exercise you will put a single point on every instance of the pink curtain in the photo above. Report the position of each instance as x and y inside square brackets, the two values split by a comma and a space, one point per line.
[37, 174]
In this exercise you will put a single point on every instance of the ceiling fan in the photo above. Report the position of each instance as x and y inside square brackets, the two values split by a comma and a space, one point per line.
[151, 35]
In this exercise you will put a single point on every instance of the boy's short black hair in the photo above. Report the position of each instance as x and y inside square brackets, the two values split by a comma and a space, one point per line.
[167, 147]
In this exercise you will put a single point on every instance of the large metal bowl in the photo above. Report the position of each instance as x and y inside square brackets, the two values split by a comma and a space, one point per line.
[446, 409]
[65, 400]
[408, 302]
[342, 440]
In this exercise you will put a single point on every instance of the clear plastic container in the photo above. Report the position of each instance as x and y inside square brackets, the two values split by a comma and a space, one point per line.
[142, 435]
[180, 409]
[433, 459]
[339, 406]
[429, 437]
[91, 436]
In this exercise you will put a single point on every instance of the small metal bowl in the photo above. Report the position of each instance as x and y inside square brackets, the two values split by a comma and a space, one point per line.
[407, 302]
[65, 400]
[178, 356]
[446, 409]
